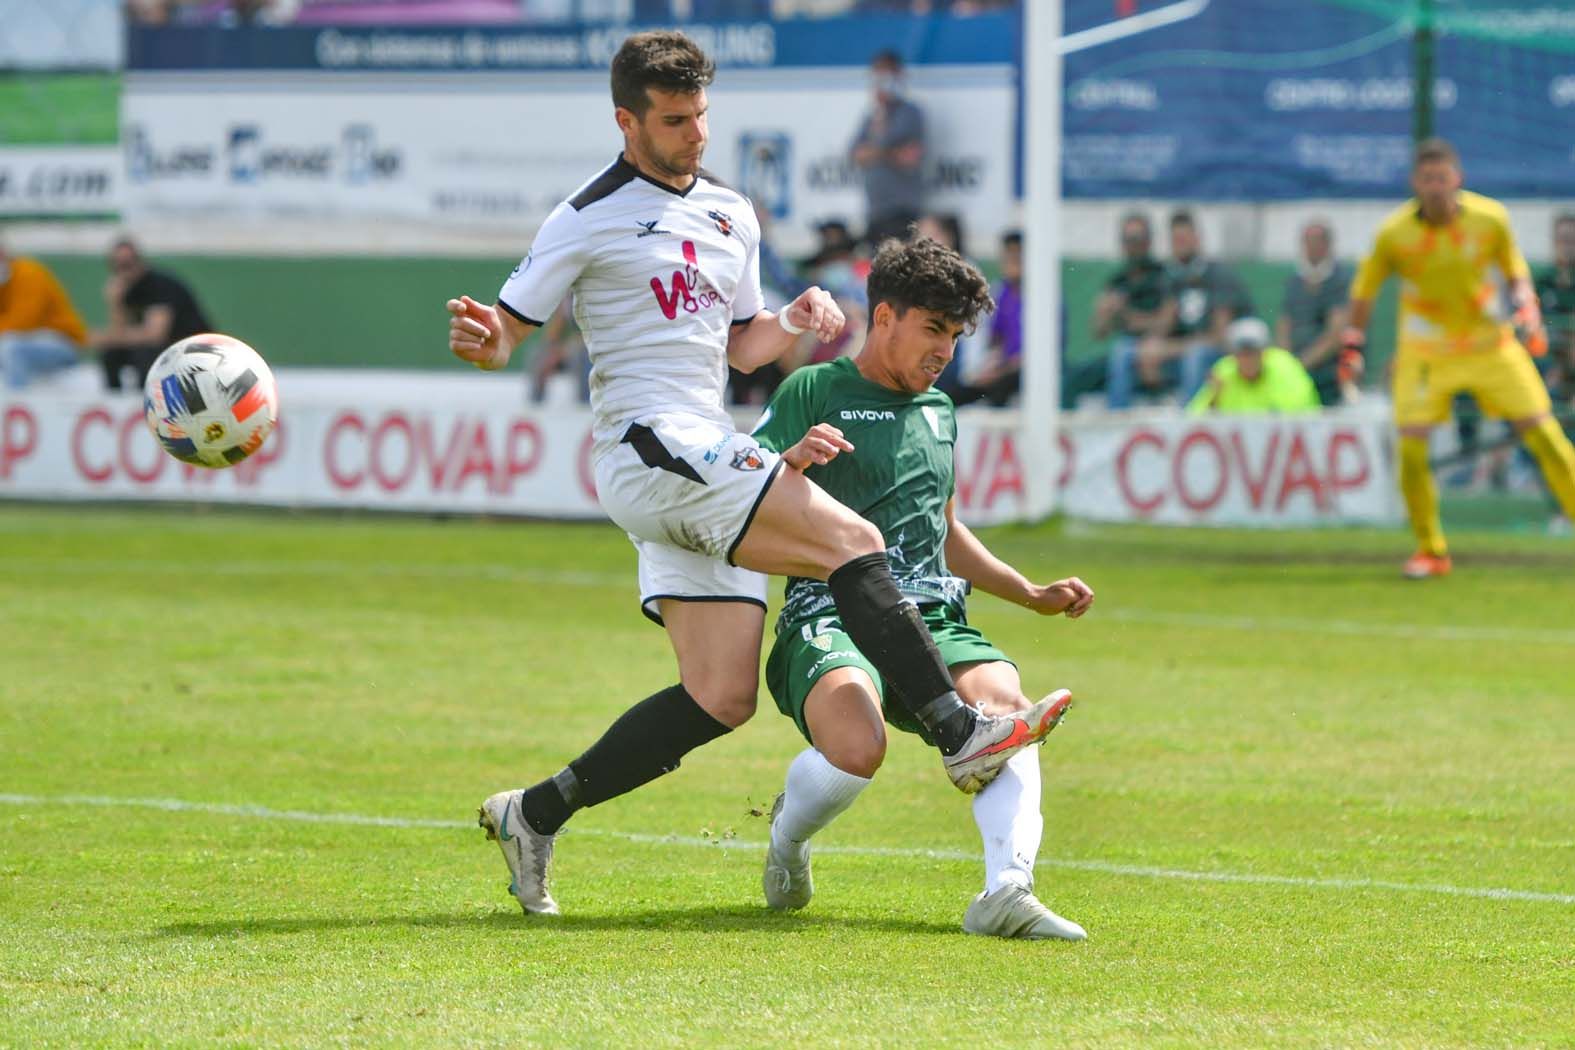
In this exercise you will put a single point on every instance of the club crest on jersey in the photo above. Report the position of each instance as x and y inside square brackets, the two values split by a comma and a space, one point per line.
[724, 224]
[747, 459]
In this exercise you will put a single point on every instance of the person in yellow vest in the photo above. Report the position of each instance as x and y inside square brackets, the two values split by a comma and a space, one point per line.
[1453, 337]
[40, 331]
[1255, 377]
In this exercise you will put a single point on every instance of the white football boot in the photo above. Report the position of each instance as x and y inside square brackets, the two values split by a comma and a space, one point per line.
[1012, 911]
[529, 855]
[788, 885]
[996, 739]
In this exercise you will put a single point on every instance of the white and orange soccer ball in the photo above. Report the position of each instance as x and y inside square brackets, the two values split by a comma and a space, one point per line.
[210, 400]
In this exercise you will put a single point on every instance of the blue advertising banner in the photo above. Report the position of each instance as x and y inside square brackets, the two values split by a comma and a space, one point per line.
[1248, 100]
[1291, 99]
[981, 39]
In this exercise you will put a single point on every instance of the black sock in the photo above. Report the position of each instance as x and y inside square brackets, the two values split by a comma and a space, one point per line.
[645, 742]
[889, 631]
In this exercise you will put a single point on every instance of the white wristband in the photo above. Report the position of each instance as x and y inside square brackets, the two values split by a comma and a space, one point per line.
[788, 326]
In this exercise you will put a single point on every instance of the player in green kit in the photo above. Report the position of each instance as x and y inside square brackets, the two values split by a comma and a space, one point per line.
[873, 433]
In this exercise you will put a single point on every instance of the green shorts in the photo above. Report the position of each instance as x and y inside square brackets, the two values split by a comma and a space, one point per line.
[806, 650]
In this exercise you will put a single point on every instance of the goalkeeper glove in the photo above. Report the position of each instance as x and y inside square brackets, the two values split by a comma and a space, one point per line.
[1529, 330]
[1352, 342]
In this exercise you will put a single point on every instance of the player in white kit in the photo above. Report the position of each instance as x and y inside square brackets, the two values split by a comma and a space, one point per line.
[663, 263]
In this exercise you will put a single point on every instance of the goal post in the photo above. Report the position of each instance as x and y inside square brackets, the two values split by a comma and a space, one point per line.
[1043, 47]
[1041, 379]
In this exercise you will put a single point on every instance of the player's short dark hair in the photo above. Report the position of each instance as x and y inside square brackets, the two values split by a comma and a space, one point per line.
[664, 59]
[1566, 218]
[886, 59]
[1435, 149]
[1182, 217]
[1012, 239]
[925, 274]
[1136, 218]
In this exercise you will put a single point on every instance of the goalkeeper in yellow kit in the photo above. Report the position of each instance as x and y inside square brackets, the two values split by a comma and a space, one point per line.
[1453, 338]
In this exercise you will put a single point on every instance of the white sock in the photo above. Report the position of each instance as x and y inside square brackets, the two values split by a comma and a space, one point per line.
[817, 792]
[1007, 812]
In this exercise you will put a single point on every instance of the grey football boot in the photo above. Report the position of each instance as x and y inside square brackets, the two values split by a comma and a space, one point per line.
[528, 854]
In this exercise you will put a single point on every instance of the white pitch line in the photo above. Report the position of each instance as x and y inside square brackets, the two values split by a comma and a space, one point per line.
[176, 805]
[1293, 625]
[626, 582]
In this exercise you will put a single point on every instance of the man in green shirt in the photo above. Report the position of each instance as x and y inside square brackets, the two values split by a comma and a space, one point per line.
[876, 436]
[1255, 377]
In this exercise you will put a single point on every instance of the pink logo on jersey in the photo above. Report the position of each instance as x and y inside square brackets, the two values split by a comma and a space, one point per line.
[686, 288]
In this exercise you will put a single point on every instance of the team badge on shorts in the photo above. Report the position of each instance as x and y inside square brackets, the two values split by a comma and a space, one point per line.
[724, 224]
[747, 459]
[823, 642]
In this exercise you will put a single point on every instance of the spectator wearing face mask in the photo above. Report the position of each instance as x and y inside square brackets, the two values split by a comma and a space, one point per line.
[889, 153]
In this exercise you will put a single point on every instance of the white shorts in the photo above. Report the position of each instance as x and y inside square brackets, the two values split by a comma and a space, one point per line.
[685, 488]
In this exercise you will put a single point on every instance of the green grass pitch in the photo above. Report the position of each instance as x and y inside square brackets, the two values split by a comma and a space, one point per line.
[1301, 803]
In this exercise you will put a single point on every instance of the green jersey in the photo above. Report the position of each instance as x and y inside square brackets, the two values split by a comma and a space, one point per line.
[898, 476]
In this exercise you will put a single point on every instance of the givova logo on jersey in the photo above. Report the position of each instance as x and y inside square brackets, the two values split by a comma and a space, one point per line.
[686, 290]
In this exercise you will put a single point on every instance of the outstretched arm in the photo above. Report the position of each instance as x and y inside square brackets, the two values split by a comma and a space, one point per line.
[766, 337]
[484, 335]
[968, 557]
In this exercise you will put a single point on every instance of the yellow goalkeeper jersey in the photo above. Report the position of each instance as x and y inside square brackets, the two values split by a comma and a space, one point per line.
[1450, 302]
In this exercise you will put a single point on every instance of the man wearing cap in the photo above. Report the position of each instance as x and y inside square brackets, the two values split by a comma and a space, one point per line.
[1255, 377]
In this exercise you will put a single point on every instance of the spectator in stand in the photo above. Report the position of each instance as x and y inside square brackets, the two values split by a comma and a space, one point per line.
[1125, 312]
[947, 229]
[149, 12]
[1000, 380]
[837, 267]
[1202, 297]
[1255, 377]
[777, 279]
[40, 331]
[148, 310]
[889, 152]
[1314, 311]
[1555, 286]
[559, 348]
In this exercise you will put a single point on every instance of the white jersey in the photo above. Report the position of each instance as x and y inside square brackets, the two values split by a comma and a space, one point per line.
[658, 277]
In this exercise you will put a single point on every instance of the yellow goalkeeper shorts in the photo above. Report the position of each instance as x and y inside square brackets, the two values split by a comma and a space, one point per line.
[1504, 382]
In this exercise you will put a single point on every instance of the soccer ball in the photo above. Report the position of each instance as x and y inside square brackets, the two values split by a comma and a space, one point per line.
[210, 400]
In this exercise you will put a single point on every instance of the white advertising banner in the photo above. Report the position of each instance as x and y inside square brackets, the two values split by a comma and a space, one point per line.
[437, 453]
[502, 150]
[381, 455]
[60, 180]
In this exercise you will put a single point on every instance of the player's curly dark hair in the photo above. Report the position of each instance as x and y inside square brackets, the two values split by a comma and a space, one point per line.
[926, 274]
[662, 58]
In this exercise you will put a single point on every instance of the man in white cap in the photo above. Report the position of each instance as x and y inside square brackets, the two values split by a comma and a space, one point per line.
[1256, 377]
